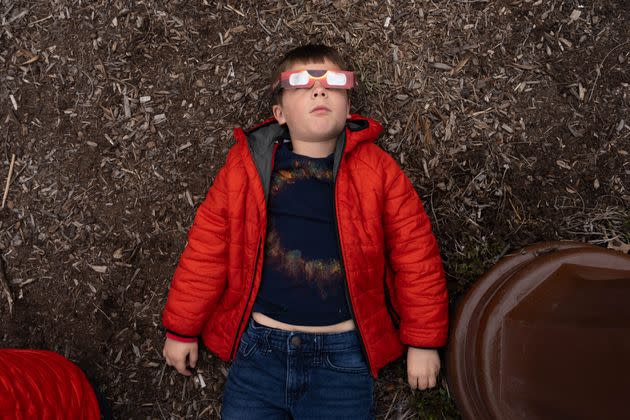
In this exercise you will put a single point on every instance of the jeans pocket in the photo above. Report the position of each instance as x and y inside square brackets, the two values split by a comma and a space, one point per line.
[247, 346]
[347, 361]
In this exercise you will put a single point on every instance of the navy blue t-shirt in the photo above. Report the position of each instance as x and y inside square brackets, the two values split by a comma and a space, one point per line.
[302, 282]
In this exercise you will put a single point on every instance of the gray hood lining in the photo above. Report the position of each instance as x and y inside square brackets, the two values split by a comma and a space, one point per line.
[261, 142]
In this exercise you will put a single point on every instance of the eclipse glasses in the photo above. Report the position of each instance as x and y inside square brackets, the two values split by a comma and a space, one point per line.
[304, 79]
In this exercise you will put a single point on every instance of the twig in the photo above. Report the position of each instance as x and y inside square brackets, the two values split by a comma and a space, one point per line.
[160, 408]
[391, 405]
[39, 20]
[5, 286]
[501, 254]
[261, 24]
[101, 311]
[600, 66]
[162, 374]
[6, 185]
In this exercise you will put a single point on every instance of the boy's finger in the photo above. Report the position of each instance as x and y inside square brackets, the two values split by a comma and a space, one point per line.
[192, 357]
[181, 368]
[423, 382]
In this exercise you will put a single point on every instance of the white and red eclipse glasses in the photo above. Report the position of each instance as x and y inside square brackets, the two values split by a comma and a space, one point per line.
[304, 79]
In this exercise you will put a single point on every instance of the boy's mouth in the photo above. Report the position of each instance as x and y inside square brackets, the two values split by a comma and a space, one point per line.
[320, 109]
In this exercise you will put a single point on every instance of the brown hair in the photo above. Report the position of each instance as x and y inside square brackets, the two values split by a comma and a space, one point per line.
[309, 53]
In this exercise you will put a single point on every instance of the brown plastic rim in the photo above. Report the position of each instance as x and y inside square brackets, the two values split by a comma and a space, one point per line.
[516, 346]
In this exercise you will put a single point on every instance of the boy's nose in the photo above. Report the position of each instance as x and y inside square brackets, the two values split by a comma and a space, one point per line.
[318, 90]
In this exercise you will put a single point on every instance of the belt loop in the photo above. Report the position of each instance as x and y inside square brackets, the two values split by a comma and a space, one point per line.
[265, 339]
[318, 346]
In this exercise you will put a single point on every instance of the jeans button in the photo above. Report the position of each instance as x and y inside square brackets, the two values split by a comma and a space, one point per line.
[296, 341]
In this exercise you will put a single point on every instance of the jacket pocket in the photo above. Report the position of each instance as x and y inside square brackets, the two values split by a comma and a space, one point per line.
[388, 302]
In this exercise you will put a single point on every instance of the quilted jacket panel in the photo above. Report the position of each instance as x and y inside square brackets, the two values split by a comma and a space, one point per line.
[37, 384]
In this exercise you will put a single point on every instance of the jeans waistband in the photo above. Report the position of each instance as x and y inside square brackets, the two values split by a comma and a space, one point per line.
[307, 342]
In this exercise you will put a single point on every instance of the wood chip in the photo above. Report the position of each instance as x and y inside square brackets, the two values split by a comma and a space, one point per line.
[13, 102]
[189, 198]
[184, 146]
[442, 66]
[202, 383]
[563, 164]
[460, 65]
[98, 268]
[8, 181]
[6, 290]
[524, 66]
[617, 245]
[575, 15]
[126, 106]
[118, 355]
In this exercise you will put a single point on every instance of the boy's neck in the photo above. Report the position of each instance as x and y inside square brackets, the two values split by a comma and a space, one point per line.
[315, 149]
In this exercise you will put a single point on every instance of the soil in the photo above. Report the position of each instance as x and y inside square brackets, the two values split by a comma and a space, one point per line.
[510, 119]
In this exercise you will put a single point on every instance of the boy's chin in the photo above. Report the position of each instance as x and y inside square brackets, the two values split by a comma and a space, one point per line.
[327, 132]
[324, 136]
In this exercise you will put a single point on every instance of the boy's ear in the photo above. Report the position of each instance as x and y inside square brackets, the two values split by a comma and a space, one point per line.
[278, 114]
[348, 116]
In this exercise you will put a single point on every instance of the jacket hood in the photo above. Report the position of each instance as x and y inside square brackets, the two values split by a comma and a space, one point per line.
[259, 141]
[264, 133]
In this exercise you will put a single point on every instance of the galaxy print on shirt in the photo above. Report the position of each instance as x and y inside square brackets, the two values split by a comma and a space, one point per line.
[302, 281]
[319, 272]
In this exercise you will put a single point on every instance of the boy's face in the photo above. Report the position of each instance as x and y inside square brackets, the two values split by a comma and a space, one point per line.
[315, 113]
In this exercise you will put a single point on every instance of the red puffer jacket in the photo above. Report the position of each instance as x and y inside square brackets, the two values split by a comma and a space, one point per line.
[37, 384]
[394, 275]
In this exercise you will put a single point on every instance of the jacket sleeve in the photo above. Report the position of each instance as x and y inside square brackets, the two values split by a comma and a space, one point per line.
[201, 274]
[412, 250]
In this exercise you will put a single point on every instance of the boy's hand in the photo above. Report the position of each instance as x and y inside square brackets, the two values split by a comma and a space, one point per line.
[423, 366]
[176, 352]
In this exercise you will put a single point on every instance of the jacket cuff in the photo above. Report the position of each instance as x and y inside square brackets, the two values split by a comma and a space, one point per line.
[433, 341]
[424, 348]
[181, 338]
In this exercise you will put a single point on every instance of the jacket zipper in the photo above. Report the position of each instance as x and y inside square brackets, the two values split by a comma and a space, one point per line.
[251, 289]
[343, 271]
[388, 303]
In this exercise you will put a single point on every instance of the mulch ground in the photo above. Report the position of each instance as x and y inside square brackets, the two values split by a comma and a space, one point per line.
[511, 119]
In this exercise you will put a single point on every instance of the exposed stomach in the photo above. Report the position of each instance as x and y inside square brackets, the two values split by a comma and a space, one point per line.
[272, 323]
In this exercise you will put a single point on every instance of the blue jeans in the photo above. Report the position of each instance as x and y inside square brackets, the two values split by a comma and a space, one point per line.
[280, 374]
